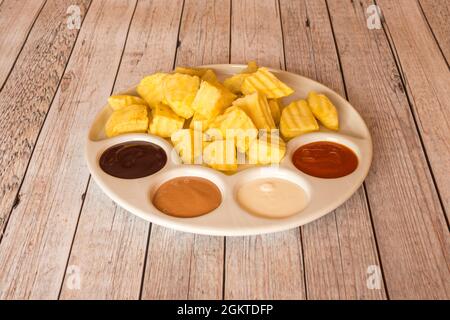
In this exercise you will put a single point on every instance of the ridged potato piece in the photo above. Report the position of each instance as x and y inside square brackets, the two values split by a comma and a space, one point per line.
[130, 119]
[234, 83]
[203, 121]
[179, 92]
[267, 149]
[275, 110]
[187, 144]
[236, 123]
[211, 99]
[221, 155]
[209, 76]
[151, 89]
[324, 110]
[199, 72]
[117, 102]
[258, 109]
[264, 81]
[296, 119]
[165, 122]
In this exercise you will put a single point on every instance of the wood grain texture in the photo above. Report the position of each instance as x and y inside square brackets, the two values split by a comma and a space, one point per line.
[16, 19]
[339, 248]
[267, 266]
[36, 244]
[437, 13]
[182, 265]
[110, 244]
[427, 79]
[27, 95]
[409, 223]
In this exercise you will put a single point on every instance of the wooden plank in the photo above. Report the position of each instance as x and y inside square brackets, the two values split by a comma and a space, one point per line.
[267, 266]
[182, 265]
[437, 13]
[427, 80]
[110, 244]
[28, 93]
[16, 21]
[339, 248]
[36, 244]
[409, 223]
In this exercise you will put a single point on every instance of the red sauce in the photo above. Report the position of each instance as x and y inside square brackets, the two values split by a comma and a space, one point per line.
[325, 159]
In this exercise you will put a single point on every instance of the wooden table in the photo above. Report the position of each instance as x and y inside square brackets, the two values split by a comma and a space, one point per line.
[61, 237]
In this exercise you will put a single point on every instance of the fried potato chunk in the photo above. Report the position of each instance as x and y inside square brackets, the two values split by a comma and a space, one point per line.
[179, 93]
[130, 119]
[151, 89]
[275, 110]
[297, 119]
[188, 144]
[267, 149]
[117, 102]
[265, 82]
[258, 109]
[165, 122]
[324, 110]
[221, 155]
[234, 83]
[235, 123]
[211, 99]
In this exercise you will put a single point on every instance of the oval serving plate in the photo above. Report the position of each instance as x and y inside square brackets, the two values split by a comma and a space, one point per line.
[229, 219]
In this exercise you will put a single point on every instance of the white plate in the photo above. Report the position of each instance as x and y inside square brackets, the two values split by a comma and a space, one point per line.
[229, 219]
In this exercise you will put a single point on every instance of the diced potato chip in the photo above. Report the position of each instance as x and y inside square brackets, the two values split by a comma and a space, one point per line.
[188, 144]
[267, 149]
[235, 123]
[209, 76]
[297, 119]
[199, 122]
[221, 155]
[251, 67]
[179, 92]
[324, 110]
[117, 102]
[211, 99]
[275, 110]
[258, 109]
[234, 83]
[129, 119]
[265, 82]
[199, 72]
[165, 122]
[151, 89]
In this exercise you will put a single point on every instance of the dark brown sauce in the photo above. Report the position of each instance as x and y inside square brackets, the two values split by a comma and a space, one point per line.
[325, 159]
[132, 160]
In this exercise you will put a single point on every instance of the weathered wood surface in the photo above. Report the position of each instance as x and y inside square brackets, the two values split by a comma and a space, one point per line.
[16, 21]
[36, 244]
[63, 238]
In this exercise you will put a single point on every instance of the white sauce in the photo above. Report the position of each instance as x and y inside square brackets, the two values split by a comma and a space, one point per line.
[272, 197]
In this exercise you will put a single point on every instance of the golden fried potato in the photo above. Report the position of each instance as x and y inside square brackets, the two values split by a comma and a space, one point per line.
[258, 109]
[275, 110]
[267, 149]
[165, 122]
[151, 88]
[297, 119]
[221, 155]
[211, 99]
[234, 83]
[179, 92]
[130, 119]
[324, 110]
[265, 82]
[188, 144]
[199, 72]
[235, 123]
[117, 102]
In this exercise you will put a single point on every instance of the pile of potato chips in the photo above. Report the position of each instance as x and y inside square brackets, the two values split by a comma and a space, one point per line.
[240, 116]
